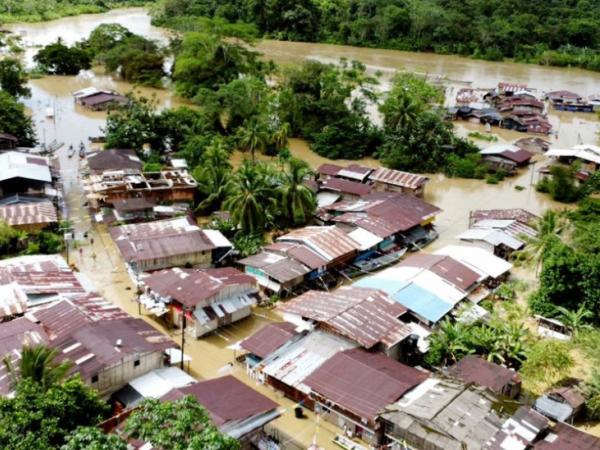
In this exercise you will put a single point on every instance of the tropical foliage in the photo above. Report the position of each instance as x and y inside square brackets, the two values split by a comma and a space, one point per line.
[13, 78]
[180, 425]
[60, 59]
[13, 120]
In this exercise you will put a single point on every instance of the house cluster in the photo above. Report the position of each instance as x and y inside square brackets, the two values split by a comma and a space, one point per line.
[98, 99]
[511, 106]
[586, 157]
[44, 302]
[571, 101]
[30, 190]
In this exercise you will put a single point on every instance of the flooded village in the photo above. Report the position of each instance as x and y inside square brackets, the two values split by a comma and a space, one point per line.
[319, 337]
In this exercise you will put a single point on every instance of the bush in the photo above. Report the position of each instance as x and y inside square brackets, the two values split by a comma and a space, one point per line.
[547, 359]
[468, 167]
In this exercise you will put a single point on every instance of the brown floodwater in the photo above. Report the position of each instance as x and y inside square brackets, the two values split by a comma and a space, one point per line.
[211, 356]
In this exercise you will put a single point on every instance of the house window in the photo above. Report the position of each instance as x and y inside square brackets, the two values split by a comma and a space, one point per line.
[95, 378]
[136, 363]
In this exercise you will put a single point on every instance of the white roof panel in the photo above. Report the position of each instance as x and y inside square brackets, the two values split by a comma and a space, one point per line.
[478, 259]
[217, 238]
[21, 165]
[365, 239]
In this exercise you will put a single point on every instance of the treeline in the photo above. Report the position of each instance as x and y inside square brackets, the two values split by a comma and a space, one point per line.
[42, 10]
[556, 33]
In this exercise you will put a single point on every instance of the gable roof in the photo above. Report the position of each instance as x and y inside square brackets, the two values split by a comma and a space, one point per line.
[226, 399]
[398, 178]
[366, 316]
[269, 338]
[567, 437]
[446, 267]
[28, 213]
[346, 186]
[22, 165]
[329, 242]
[191, 287]
[362, 382]
[472, 369]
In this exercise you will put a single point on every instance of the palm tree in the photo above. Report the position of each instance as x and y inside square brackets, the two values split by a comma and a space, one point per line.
[212, 176]
[280, 136]
[298, 201]
[254, 137]
[400, 112]
[549, 229]
[249, 196]
[38, 365]
[574, 320]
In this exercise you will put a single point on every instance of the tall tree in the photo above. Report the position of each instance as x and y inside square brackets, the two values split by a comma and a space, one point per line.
[213, 174]
[180, 425]
[13, 120]
[253, 137]
[13, 78]
[297, 200]
[249, 197]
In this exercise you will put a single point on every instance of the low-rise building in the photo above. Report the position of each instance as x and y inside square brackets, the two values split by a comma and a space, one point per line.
[209, 298]
[365, 316]
[8, 141]
[519, 431]
[352, 172]
[98, 99]
[442, 415]
[113, 160]
[588, 155]
[167, 186]
[511, 153]
[28, 213]
[491, 268]
[533, 144]
[500, 237]
[267, 340]
[353, 386]
[566, 437]
[562, 404]
[21, 173]
[390, 180]
[498, 379]
[133, 210]
[345, 189]
[169, 243]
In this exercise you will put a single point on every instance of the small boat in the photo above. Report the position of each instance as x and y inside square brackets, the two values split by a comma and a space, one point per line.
[82, 150]
[71, 151]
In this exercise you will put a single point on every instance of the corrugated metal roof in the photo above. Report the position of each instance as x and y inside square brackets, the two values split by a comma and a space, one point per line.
[328, 242]
[492, 236]
[473, 369]
[423, 302]
[226, 399]
[517, 214]
[362, 382]
[346, 186]
[567, 437]
[113, 159]
[398, 178]
[355, 172]
[291, 364]
[574, 153]
[366, 316]
[329, 169]
[196, 287]
[477, 259]
[22, 165]
[519, 431]
[28, 213]
[269, 338]
[448, 268]
[160, 239]
[365, 238]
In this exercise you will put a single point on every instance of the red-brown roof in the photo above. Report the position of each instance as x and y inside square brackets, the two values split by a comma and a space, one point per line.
[28, 213]
[191, 287]
[329, 169]
[566, 437]
[269, 338]
[444, 266]
[520, 156]
[114, 159]
[398, 178]
[226, 399]
[363, 383]
[346, 186]
[472, 369]
[367, 316]
[518, 214]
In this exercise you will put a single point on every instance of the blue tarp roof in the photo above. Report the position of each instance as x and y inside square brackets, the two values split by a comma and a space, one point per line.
[387, 285]
[423, 302]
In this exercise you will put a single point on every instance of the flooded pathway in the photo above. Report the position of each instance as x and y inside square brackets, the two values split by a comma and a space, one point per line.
[213, 356]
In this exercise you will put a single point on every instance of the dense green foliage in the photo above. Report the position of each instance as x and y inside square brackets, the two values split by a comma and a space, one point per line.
[13, 78]
[41, 418]
[570, 268]
[40, 10]
[60, 59]
[14, 242]
[92, 438]
[561, 184]
[557, 33]
[134, 58]
[13, 120]
[180, 425]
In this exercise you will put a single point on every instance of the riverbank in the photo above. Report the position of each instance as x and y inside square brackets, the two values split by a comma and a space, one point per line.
[55, 12]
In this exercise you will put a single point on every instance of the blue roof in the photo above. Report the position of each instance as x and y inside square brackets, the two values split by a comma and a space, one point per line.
[423, 302]
[387, 285]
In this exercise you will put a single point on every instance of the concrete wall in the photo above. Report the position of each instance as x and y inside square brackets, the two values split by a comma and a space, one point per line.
[114, 378]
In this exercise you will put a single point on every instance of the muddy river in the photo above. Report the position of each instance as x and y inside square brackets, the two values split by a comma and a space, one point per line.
[72, 124]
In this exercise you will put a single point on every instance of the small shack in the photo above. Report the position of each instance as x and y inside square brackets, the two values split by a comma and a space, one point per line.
[500, 380]
[389, 180]
[562, 404]
[8, 141]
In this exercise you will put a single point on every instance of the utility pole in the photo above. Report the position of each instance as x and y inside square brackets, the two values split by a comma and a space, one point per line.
[183, 327]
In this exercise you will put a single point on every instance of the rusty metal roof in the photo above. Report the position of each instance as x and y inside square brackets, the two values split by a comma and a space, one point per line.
[192, 287]
[99, 345]
[567, 437]
[329, 169]
[269, 338]
[446, 267]
[363, 383]
[367, 316]
[113, 159]
[160, 239]
[28, 213]
[286, 269]
[518, 214]
[519, 431]
[398, 178]
[472, 369]
[346, 186]
[226, 399]
[329, 242]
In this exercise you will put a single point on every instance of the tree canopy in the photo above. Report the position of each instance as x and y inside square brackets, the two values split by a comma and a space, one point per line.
[60, 59]
[13, 120]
